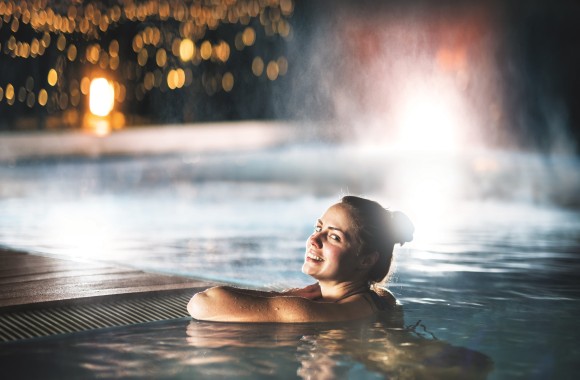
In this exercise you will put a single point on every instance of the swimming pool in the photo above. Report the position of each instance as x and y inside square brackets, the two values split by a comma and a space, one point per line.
[492, 270]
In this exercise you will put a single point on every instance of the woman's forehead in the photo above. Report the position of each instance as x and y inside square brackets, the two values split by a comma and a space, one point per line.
[338, 216]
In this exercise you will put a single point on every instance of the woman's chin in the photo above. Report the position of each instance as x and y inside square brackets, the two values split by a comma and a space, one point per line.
[309, 269]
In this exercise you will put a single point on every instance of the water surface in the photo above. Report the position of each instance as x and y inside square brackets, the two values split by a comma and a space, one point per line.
[492, 270]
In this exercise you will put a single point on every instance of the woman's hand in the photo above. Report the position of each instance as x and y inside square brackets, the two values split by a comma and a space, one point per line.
[311, 292]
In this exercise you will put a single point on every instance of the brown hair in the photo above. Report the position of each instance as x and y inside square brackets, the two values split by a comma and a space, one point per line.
[378, 230]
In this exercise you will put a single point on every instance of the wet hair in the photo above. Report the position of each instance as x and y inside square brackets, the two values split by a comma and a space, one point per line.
[377, 230]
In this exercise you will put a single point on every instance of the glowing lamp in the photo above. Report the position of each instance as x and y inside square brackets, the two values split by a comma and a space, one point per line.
[101, 97]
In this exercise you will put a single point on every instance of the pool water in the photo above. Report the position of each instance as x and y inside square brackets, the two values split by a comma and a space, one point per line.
[489, 285]
[192, 349]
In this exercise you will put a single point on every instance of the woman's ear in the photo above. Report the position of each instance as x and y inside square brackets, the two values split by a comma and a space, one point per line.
[368, 260]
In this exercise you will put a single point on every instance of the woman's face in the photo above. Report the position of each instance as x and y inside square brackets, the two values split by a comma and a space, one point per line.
[331, 250]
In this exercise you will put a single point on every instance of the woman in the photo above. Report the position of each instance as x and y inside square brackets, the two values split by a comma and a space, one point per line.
[349, 254]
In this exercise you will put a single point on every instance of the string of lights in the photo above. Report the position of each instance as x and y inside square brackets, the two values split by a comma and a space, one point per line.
[52, 51]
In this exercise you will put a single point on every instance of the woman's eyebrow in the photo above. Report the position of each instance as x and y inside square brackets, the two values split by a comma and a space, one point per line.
[331, 227]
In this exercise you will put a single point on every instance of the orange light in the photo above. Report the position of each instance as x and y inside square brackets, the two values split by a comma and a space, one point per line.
[101, 97]
[186, 50]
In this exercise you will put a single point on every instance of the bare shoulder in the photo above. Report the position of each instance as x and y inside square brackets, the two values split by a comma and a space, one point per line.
[297, 309]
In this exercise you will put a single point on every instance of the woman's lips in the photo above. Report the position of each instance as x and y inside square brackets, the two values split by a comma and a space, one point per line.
[314, 257]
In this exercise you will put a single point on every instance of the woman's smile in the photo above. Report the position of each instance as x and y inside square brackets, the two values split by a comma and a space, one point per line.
[310, 255]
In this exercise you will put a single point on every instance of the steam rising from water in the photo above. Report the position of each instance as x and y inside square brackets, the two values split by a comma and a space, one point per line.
[402, 78]
[425, 95]
[423, 77]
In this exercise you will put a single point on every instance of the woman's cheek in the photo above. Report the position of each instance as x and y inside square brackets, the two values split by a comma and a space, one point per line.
[333, 253]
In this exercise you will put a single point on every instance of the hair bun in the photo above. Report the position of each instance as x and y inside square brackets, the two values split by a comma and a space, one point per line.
[402, 228]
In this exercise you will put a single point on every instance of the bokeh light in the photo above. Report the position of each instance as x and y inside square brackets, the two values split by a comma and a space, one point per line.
[101, 97]
[248, 36]
[257, 66]
[52, 77]
[152, 47]
[228, 82]
[186, 50]
[272, 70]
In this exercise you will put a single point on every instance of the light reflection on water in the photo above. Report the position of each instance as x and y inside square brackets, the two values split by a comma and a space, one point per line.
[493, 275]
[184, 348]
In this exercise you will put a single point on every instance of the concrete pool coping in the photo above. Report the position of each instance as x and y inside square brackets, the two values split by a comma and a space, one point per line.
[44, 295]
[149, 140]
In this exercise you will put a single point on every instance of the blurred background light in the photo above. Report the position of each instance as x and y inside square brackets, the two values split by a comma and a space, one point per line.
[101, 97]
[475, 72]
[428, 120]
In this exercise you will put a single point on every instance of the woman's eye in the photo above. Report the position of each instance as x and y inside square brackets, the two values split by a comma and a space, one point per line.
[335, 237]
[317, 229]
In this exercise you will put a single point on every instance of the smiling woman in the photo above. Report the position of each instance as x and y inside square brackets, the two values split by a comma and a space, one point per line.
[349, 254]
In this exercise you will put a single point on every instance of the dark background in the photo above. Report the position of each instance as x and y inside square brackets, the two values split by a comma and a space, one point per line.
[535, 54]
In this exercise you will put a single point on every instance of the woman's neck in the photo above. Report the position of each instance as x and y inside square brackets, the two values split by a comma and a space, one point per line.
[332, 291]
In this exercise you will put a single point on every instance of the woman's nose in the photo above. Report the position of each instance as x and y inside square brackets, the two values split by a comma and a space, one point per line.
[315, 240]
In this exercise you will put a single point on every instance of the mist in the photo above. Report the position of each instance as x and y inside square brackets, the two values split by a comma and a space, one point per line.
[469, 99]
[444, 101]
[497, 75]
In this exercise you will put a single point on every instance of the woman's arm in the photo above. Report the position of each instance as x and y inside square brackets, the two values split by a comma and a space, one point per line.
[226, 304]
[310, 292]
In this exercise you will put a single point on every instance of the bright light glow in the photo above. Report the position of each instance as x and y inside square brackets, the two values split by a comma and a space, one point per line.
[431, 185]
[101, 127]
[101, 97]
[82, 232]
[429, 120]
[186, 50]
